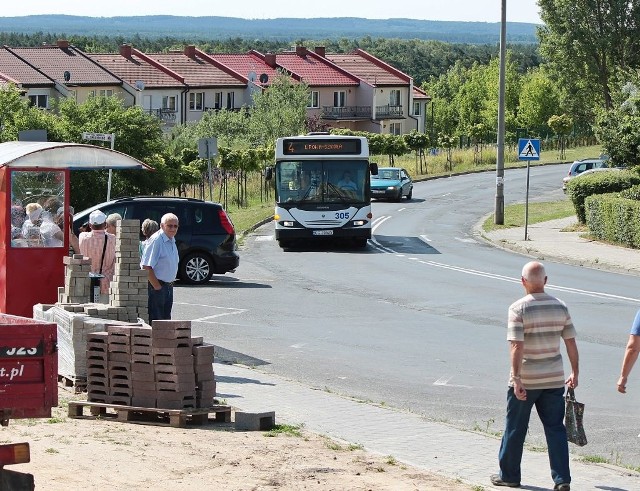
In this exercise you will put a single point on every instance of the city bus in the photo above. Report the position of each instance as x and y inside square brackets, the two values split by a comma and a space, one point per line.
[322, 189]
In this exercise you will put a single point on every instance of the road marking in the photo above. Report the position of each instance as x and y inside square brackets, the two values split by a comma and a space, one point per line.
[468, 240]
[444, 382]
[425, 238]
[264, 238]
[228, 311]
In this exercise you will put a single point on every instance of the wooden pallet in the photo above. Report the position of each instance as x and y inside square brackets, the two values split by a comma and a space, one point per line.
[79, 384]
[178, 418]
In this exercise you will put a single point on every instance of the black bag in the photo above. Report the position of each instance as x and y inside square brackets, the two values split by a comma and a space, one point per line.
[574, 412]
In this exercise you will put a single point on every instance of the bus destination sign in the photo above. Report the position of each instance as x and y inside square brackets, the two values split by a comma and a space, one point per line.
[323, 146]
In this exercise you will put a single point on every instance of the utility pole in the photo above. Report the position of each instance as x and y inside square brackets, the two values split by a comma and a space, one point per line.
[498, 218]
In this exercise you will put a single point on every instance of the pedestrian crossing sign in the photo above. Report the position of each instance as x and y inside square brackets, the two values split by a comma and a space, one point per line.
[528, 149]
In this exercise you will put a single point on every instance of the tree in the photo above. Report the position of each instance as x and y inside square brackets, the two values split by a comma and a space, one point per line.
[418, 142]
[539, 100]
[587, 41]
[561, 126]
[278, 111]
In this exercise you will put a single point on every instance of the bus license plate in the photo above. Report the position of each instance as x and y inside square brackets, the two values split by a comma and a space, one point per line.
[323, 232]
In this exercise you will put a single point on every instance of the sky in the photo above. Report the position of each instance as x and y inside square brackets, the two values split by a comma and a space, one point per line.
[456, 10]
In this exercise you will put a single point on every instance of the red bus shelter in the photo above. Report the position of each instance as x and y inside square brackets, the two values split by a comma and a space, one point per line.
[34, 215]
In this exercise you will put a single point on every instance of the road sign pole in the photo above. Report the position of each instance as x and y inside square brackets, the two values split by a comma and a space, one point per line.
[498, 217]
[113, 142]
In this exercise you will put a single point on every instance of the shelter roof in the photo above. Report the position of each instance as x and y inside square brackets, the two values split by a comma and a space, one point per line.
[61, 155]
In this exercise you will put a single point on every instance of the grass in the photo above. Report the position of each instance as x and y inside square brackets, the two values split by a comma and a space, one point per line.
[291, 430]
[514, 215]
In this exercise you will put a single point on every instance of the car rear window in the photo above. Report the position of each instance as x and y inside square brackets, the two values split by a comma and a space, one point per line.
[205, 219]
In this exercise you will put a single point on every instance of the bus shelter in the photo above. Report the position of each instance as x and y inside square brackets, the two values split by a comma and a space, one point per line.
[35, 219]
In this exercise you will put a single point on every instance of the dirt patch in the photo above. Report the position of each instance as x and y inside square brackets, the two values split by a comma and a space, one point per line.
[101, 454]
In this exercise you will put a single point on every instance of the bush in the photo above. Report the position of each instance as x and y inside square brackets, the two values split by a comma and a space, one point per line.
[614, 219]
[579, 189]
[632, 193]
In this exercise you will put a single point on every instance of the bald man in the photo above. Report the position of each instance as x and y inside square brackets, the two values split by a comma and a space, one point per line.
[536, 324]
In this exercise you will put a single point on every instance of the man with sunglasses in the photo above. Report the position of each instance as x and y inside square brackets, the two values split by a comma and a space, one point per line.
[160, 259]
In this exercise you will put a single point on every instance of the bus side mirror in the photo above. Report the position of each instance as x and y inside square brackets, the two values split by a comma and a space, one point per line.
[373, 168]
[268, 173]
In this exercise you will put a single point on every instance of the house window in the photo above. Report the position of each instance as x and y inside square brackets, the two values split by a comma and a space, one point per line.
[41, 101]
[196, 101]
[169, 102]
[105, 92]
[395, 128]
[339, 98]
[314, 99]
[416, 109]
[394, 98]
[92, 93]
[230, 100]
[217, 100]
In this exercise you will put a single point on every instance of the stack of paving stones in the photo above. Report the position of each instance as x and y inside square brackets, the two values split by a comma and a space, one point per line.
[129, 286]
[153, 367]
[128, 295]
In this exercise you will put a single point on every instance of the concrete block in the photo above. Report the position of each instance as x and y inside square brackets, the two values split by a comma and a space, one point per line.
[255, 421]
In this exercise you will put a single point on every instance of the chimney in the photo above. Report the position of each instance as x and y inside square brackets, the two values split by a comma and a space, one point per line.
[270, 59]
[63, 44]
[301, 51]
[125, 50]
[320, 50]
[190, 51]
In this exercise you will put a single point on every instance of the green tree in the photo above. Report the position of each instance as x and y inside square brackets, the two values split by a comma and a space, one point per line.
[278, 111]
[587, 41]
[418, 142]
[561, 125]
[539, 100]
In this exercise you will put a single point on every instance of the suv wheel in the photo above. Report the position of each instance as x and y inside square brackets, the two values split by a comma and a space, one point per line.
[196, 268]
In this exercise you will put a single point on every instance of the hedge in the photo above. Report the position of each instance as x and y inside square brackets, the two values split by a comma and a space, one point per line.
[579, 189]
[614, 219]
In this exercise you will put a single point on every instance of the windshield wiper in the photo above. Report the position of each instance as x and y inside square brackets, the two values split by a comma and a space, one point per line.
[337, 192]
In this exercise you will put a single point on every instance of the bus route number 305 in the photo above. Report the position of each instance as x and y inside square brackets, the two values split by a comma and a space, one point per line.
[342, 215]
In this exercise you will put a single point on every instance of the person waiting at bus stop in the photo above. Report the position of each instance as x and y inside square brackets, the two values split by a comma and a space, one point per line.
[160, 260]
[100, 247]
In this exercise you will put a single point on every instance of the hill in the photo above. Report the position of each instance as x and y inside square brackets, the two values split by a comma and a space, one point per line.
[283, 29]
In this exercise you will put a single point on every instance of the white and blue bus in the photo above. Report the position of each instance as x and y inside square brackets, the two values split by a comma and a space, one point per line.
[322, 189]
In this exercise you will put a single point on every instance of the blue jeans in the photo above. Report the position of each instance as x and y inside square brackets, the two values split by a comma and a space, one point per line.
[160, 302]
[549, 404]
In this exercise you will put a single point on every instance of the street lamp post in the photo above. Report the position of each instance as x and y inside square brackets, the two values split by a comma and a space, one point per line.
[499, 204]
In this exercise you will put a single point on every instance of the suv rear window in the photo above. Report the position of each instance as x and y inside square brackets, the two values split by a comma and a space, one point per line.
[205, 219]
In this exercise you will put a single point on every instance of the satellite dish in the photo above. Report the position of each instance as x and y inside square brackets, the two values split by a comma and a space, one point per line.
[140, 84]
[67, 75]
[252, 76]
[264, 78]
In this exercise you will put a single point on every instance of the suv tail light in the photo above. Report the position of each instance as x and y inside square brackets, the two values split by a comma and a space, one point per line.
[14, 453]
[226, 222]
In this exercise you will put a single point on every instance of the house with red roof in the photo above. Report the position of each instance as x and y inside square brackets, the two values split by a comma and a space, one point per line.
[66, 72]
[388, 91]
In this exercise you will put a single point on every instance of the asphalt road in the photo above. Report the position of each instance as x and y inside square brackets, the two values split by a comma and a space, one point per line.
[417, 320]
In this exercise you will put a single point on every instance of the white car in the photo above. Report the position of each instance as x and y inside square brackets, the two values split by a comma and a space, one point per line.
[580, 166]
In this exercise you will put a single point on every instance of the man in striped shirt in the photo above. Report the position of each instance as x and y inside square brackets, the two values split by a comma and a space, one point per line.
[537, 322]
[100, 247]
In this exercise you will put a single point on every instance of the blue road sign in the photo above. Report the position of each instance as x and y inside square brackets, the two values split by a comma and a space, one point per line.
[528, 149]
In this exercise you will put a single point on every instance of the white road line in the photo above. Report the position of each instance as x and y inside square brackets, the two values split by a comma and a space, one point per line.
[264, 238]
[424, 238]
[467, 240]
[442, 381]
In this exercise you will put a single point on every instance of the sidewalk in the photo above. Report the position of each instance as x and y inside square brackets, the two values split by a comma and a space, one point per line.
[437, 447]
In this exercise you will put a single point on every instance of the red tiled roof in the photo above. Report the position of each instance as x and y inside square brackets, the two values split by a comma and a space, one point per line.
[314, 70]
[53, 61]
[418, 93]
[245, 63]
[369, 68]
[134, 68]
[197, 71]
[13, 69]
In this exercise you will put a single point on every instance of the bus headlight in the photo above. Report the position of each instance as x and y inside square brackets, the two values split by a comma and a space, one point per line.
[287, 224]
[359, 223]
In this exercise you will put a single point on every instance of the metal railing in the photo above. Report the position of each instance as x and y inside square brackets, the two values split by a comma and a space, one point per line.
[346, 112]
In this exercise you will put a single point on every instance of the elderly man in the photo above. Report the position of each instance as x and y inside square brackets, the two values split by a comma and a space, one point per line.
[100, 247]
[160, 259]
[537, 322]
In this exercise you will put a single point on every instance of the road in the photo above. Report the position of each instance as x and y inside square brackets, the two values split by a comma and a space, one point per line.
[417, 320]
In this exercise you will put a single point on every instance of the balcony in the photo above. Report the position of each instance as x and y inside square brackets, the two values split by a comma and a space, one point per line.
[362, 112]
[389, 112]
[346, 112]
[166, 115]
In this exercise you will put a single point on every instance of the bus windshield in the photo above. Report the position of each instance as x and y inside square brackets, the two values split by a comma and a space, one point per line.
[322, 181]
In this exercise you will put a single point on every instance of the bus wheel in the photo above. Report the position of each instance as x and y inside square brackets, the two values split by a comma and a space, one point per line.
[361, 243]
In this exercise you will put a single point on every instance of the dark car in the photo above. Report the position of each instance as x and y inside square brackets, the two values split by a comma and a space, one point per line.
[206, 238]
[391, 183]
